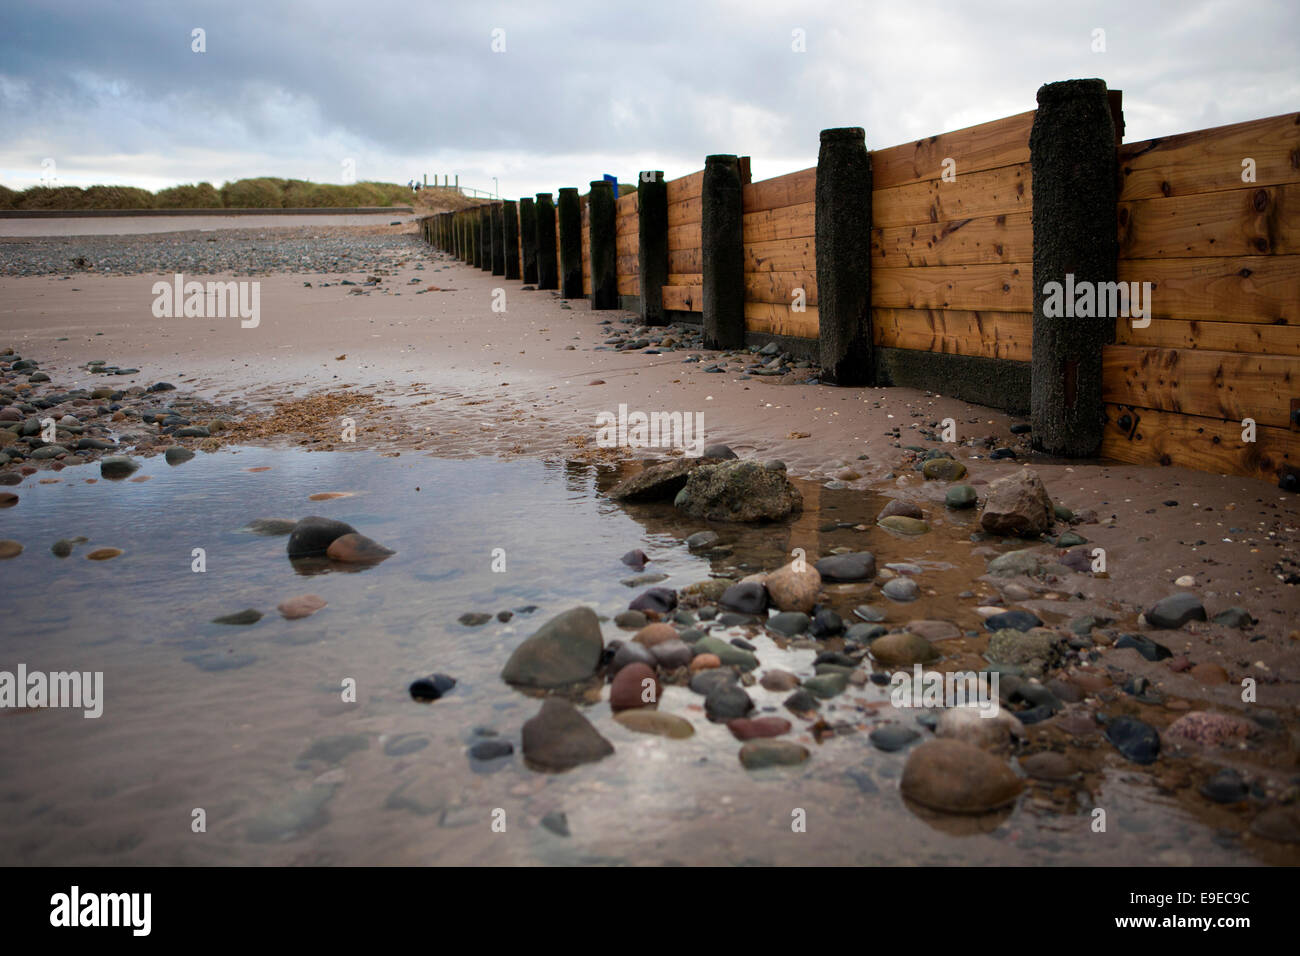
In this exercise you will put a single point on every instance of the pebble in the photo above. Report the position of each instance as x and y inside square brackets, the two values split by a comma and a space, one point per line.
[858, 566]
[901, 589]
[1175, 611]
[960, 497]
[653, 634]
[356, 548]
[903, 649]
[1047, 765]
[955, 777]
[303, 605]
[778, 680]
[103, 554]
[10, 548]
[559, 737]
[893, 737]
[745, 728]
[1135, 739]
[655, 722]
[1015, 619]
[1226, 786]
[758, 754]
[727, 701]
[1209, 729]
[635, 685]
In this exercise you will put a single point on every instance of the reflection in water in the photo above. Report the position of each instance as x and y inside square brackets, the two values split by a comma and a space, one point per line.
[296, 741]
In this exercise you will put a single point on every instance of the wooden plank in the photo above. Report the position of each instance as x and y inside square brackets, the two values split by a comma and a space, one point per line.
[781, 255]
[1006, 238]
[625, 206]
[1232, 289]
[1209, 160]
[1204, 444]
[788, 190]
[626, 245]
[685, 278]
[685, 187]
[780, 320]
[684, 298]
[684, 237]
[1217, 336]
[685, 260]
[1003, 142]
[787, 222]
[779, 287]
[629, 285]
[988, 193]
[681, 213]
[1228, 385]
[627, 226]
[626, 265]
[999, 288]
[998, 335]
[1251, 221]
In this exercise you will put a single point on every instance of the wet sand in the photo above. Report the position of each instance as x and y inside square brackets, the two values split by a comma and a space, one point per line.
[456, 379]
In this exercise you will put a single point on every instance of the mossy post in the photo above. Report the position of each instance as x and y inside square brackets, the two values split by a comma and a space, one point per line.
[528, 240]
[604, 266]
[476, 237]
[843, 230]
[570, 213]
[498, 240]
[462, 244]
[548, 276]
[510, 235]
[652, 245]
[1073, 167]
[485, 237]
[723, 253]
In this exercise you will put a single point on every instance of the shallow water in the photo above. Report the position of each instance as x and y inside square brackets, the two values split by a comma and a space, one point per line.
[249, 724]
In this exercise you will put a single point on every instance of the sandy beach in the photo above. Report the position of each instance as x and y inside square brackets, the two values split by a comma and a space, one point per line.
[449, 377]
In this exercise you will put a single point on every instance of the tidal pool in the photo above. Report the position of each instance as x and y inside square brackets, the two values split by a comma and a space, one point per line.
[226, 744]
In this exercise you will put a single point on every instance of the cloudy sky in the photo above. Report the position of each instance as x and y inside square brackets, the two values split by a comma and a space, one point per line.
[113, 92]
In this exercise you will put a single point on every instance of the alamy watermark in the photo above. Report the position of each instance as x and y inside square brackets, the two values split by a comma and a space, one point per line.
[213, 300]
[922, 688]
[684, 430]
[75, 689]
[1098, 300]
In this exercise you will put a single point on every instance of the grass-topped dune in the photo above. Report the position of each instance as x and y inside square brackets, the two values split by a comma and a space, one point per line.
[260, 193]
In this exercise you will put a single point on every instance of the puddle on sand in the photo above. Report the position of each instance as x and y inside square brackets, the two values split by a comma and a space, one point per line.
[248, 723]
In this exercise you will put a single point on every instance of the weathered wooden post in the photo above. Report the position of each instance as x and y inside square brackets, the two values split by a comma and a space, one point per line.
[1073, 167]
[652, 245]
[485, 236]
[547, 274]
[843, 231]
[476, 236]
[570, 213]
[604, 265]
[723, 253]
[498, 240]
[528, 241]
[510, 233]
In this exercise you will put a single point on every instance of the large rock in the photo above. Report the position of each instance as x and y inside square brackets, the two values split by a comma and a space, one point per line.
[559, 737]
[1017, 504]
[747, 597]
[1175, 611]
[858, 566]
[739, 491]
[657, 483]
[565, 650]
[791, 590]
[956, 777]
[969, 725]
[313, 535]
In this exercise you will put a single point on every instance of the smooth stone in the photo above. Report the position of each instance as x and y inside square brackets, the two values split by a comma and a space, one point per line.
[730, 655]
[1280, 824]
[901, 589]
[635, 559]
[702, 540]
[969, 725]
[704, 682]
[1136, 740]
[486, 750]
[1234, 617]
[869, 614]
[1015, 619]
[659, 600]
[1208, 729]
[935, 630]
[1151, 650]
[10, 548]
[793, 591]
[778, 680]
[704, 662]
[745, 728]
[655, 722]
[960, 497]
[239, 618]
[801, 702]
[671, 655]
[847, 568]
[559, 737]
[1017, 562]
[1175, 611]
[864, 633]
[303, 605]
[657, 633]
[747, 597]
[789, 623]
[313, 535]
[900, 507]
[1226, 786]
[1209, 674]
[902, 649]
[565, 650]
[356, 548]
[630, 620]
[727, 701]
[900, 524]
[1047, 765]
[631, 653]
[758, 754]
[473, 618]
[943, 469]
[635, 685]
[116, 467]
[826, 686]
[893, 737]
[956, 777]
[61, 548]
